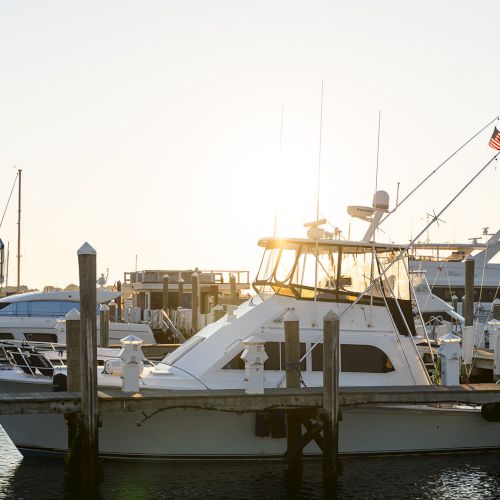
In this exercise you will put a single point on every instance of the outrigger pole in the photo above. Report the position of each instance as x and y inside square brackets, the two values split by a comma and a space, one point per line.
[398, 204]
[401, 253]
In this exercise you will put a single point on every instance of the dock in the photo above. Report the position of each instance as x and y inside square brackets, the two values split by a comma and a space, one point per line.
[236, 400]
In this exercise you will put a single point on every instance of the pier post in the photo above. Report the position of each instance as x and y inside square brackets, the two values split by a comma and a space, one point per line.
[181, 292]
[165, 293]
[195, 303]
[104, 326]
[495, 309]
[233, 292]
[468, 311]
[331, 409]
[72, 461]
[88, 362]
[292, 356]
[119, 302]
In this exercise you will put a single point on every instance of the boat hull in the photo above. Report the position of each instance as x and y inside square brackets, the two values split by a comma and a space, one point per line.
[194, 433]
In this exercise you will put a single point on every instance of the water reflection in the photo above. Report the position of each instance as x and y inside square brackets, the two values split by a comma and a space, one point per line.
[426, 477]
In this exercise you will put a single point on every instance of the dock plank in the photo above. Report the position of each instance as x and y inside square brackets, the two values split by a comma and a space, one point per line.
[114, 400]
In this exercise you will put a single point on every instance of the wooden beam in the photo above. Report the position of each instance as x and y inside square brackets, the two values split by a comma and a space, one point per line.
[113, 400]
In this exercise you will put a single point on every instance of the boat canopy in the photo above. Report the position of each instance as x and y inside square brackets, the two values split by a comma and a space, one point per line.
[331, 270]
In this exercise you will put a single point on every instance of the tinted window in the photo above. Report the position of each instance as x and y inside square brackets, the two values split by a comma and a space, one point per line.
[356, 358]
[276, 359]
[8, 309]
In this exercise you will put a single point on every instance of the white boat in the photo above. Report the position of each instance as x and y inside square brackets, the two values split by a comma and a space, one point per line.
[444, 265]
[33, 317]
[377, 349]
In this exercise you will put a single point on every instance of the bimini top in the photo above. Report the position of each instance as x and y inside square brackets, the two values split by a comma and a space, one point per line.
[333, 270]
[347, 246]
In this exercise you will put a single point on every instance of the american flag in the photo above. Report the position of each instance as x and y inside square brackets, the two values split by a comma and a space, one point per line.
[495, 140]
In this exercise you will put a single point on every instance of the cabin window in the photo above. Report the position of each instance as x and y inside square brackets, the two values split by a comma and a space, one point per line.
[276, 358]
[6, 336]
[356, 358]
[40, 309]
[41, 337]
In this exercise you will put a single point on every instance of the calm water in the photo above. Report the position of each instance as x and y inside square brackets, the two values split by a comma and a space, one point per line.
[430, 477]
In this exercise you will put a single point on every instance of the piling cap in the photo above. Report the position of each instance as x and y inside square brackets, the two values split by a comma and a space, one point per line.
[254, 340]
[331, 316]
[131, 340]
[449, 337]
[72, 315]
[104, 307]
[86, 249]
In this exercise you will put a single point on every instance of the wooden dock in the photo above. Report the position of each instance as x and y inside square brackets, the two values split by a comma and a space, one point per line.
[114, 400]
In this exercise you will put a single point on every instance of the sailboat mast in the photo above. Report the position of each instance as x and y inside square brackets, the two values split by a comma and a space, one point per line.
[19, 232]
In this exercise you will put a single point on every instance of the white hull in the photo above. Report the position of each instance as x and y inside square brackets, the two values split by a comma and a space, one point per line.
[193, 433]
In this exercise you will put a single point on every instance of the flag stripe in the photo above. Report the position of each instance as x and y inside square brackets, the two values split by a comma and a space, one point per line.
[495, 140]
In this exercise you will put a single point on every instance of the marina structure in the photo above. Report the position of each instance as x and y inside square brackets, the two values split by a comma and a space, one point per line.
[300, 284]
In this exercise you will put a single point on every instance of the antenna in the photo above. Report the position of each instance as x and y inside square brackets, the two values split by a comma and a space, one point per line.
[275, 229]
[317, 201]
[378, 150]
[319, 149]
[19, 232]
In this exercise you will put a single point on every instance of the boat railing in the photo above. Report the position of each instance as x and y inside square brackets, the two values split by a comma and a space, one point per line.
[27, 358]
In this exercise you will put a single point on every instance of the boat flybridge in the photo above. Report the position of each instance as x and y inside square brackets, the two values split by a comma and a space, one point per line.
[445, 269]
[33, 317]
[365, 283]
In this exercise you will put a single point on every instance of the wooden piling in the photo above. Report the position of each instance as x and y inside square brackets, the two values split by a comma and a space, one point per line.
[495, 309]
[292, 355]
[468, 311]
[88, 362]
[195, 303]
[73, 350]
[165, 293]
[119, 302]
[233, 291]
[104, 326]
[73, 370]
[331, 408]
[180, 292]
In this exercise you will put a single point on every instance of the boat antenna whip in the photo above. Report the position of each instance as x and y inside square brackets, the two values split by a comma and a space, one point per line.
[398, 204]
[401, 253]
[317, 204]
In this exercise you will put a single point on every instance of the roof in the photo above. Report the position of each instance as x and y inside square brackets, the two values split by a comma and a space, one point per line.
[65, 296]
[357, 246]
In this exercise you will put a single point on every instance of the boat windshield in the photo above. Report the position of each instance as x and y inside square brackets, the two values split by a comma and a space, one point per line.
[330, 272]
[40, 308]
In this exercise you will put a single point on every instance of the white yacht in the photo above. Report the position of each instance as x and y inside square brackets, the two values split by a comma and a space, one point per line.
[33, 317]
[444, 265]
[310, 277]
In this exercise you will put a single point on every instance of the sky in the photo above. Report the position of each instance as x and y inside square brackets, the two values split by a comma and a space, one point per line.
[152, 128]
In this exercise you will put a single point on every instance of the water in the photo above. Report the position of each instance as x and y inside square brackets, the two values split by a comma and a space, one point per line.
[461, 476]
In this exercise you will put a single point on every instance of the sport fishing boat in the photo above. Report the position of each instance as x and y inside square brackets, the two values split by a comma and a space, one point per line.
[310, 277]
[33, 317]
[444, 266]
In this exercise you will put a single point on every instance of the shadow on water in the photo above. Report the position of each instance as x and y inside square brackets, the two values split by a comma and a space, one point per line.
[425, 477]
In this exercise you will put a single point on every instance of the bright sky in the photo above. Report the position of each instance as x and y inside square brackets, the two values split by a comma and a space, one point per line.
[152, 127]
